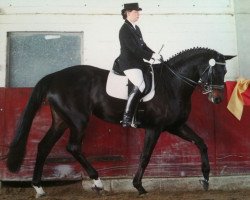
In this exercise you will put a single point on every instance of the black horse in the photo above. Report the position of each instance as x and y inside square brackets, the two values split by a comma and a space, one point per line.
[77, 92]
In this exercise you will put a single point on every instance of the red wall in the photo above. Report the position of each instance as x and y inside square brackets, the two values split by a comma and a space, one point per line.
[114, 150]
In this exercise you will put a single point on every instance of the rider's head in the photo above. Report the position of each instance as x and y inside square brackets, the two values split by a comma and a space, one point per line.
[131, 12]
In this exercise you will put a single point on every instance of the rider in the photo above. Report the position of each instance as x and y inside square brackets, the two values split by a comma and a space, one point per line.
[133, 51]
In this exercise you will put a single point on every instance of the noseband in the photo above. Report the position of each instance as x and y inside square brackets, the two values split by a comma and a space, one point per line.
[207, 87]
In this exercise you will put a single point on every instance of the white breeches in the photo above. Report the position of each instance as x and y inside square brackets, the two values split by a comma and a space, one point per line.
[136, 77]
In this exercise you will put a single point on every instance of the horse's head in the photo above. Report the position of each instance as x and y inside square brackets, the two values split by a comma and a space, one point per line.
[212, 77]
[201, 66]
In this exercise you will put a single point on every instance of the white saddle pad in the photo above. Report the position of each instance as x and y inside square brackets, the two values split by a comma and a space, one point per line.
[117, 86]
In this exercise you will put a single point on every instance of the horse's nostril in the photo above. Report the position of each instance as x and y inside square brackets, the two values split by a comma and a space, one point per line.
[217, 100]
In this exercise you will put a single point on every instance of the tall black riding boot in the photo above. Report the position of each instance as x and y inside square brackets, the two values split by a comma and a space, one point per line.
[133, 100]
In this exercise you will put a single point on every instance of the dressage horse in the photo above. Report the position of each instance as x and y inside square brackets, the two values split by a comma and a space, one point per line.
[77, 92]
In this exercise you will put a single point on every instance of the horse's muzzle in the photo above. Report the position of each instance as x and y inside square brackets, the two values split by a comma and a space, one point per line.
[216, 96]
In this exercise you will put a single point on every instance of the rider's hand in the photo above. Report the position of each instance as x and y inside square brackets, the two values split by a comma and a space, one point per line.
[156, 57]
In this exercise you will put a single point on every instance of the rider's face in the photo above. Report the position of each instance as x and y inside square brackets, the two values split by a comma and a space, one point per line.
[133, 15]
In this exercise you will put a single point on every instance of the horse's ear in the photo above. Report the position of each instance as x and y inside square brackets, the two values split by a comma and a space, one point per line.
[228, 57]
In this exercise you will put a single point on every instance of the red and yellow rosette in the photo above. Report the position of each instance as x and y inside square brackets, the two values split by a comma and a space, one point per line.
[237, 99]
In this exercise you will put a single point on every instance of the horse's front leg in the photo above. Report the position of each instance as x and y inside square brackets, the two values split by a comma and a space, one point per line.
[150, 141]
[186, 133]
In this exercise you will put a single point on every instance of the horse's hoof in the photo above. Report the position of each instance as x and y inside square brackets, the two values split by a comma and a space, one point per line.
[39, 191]
[142, 192]
[142, 195]
[40, 195]
[98, 190]
[205, 184]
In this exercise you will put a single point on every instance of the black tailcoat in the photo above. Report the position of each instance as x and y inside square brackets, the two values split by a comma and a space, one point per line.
[133, 48]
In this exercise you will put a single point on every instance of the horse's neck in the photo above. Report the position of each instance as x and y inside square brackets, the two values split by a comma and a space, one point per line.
[174, 83]
[187, 64]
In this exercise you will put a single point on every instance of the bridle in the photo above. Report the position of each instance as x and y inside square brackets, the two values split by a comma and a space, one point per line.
[207, 86]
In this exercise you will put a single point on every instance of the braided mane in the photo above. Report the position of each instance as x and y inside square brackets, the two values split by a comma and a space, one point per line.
[185, 54]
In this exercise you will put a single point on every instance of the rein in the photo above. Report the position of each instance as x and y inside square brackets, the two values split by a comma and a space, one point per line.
[184, 79]
[207, 88]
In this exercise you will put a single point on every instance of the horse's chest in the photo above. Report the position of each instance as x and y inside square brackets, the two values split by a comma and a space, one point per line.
[164, 113]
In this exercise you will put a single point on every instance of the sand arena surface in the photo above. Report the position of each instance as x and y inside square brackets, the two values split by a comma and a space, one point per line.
[74, 191]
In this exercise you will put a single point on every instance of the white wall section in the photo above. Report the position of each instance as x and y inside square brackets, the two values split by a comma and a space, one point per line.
[176, 23]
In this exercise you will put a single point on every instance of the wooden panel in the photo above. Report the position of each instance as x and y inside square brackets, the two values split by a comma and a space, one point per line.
[105, 144]
[3, 147]
[232, 141]
[114, 151]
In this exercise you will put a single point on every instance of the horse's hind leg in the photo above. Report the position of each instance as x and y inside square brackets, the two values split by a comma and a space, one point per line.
[186, 133]
[75, 146]
[44, 147]
[150, 141]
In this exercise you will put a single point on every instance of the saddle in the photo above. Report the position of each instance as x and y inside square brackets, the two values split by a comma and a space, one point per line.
[123, 88]
[147, 72]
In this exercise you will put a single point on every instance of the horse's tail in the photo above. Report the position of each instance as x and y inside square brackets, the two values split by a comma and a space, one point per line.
[17, 148]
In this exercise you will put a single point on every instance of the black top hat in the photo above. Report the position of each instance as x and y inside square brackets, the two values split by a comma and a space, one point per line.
[131, 6]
